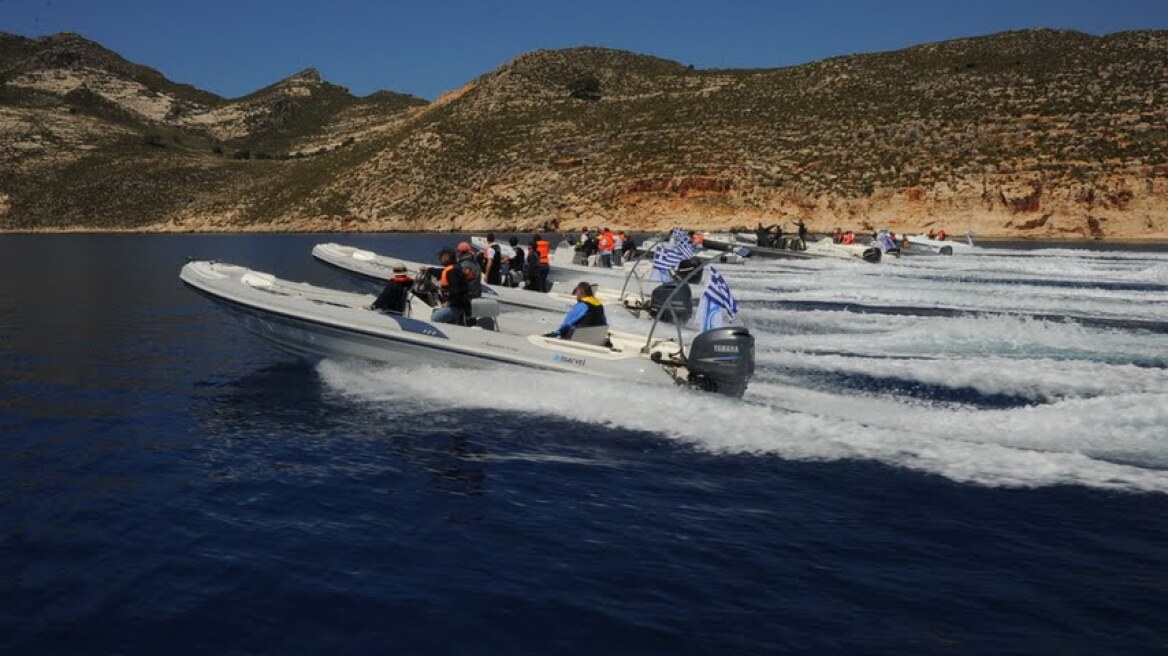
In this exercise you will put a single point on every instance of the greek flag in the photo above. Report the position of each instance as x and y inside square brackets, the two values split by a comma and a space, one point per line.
[664, 260]
[717, 307]
[678, 236]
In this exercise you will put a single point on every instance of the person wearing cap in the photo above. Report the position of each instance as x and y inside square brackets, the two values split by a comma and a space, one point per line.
[465, 255]
[588, 311]
[396, 295]
[454, 299]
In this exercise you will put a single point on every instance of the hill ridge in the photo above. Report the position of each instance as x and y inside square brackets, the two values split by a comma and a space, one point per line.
[1029, 133]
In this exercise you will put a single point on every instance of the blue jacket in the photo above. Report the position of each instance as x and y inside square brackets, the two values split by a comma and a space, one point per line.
[586, 312]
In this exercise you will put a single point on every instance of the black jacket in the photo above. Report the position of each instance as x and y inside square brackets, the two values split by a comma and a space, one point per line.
[396, 294]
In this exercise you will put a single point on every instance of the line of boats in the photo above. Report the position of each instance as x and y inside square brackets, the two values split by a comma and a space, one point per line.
[872, 249]
[510, 326]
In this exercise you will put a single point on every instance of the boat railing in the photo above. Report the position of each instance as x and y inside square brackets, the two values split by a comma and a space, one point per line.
[667, 305]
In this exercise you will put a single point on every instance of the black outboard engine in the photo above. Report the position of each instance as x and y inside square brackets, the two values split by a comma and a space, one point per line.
[722, 360]
[685, 267]
[679, 308]
[871, 254]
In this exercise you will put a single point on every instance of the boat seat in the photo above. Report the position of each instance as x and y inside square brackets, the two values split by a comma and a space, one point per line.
[594, 335]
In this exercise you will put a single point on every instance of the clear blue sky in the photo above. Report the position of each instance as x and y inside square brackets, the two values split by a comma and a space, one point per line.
[428, 47]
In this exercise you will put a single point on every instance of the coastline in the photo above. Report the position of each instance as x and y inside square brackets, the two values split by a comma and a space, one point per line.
[509, 230]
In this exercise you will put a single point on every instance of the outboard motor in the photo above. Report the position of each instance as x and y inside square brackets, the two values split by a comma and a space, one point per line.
[680, 307]
[722, 360]
[871, 254]
[685, 267]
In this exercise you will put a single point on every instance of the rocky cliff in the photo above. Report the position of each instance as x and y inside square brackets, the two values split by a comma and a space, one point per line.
[1037, 133]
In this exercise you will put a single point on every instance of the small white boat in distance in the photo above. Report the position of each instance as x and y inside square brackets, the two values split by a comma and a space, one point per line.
[944, 246]
[315, 322]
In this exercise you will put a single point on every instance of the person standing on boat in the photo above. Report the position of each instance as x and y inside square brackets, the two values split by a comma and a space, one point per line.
[588, 311]
[493, 270]
[474, 275]
[618, 245]
[802, 234]
[515, 264]
[396, 295]
[544, 249]
[629, 247]
[454, 298]
[532, 268]
[604, 244]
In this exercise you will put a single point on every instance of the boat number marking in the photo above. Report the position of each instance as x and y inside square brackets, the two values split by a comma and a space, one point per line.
[579, 362]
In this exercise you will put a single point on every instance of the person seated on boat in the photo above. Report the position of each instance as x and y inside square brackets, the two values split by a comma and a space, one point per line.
[396, 295]
[838, 237]
[932, 234]
[941, 235]
[849, 238]
[588, 311]
[474, 275]
[453, 297]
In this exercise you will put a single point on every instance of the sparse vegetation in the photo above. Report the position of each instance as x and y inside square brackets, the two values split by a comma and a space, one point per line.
[984, 118]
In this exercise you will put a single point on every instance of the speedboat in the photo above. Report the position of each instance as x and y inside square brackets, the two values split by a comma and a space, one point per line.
[370, 271]
[825, 246]
[943, 246]
[814, 246]
[711, 255]
[315, 322]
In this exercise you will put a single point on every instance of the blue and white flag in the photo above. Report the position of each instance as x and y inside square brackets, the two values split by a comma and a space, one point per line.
[717, 307]
[677, 236]
[665, 259]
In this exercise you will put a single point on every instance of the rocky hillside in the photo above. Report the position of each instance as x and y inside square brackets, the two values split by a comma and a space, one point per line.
[1037, 133]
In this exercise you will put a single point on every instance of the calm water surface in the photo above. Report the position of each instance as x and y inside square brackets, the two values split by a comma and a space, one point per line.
[980, 468]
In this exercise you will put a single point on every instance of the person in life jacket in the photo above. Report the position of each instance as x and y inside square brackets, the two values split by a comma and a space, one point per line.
[604, 244]
[849, 237]
[454, 299]
[474, 275]
[588, 311]
[941, 235]
[396, 295]
[544, 250]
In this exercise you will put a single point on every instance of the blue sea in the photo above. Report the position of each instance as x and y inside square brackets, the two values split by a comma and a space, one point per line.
[963, 455]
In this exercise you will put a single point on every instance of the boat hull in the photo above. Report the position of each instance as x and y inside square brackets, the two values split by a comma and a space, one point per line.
[316, 323]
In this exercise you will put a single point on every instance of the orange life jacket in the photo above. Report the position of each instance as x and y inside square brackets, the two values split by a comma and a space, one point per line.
[544, 250]
[445, 272]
